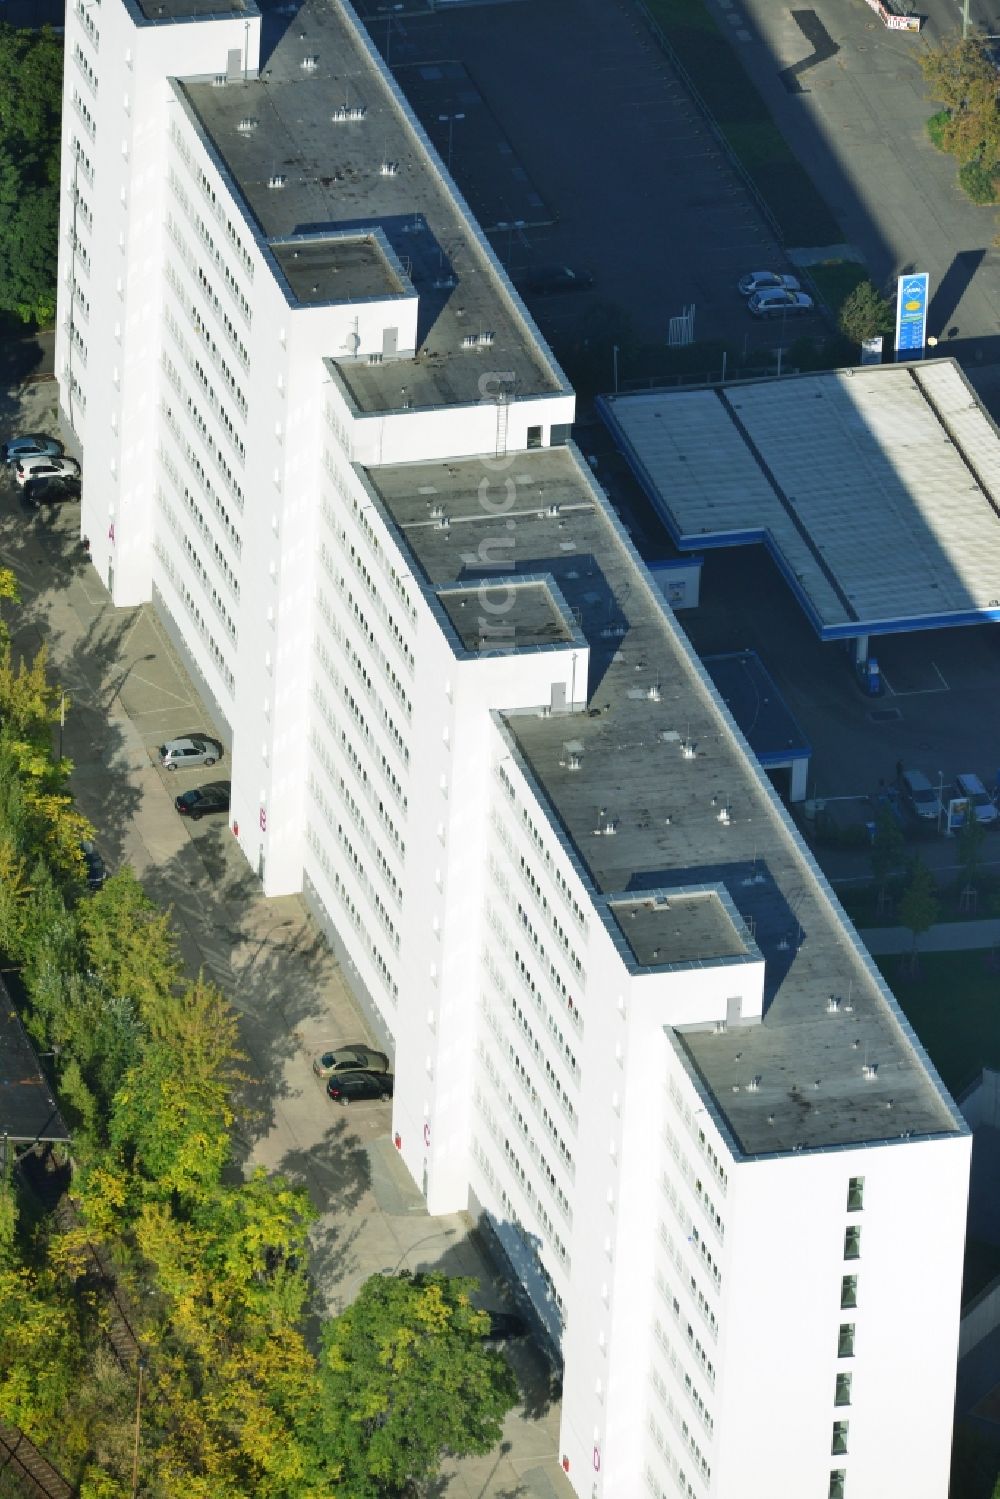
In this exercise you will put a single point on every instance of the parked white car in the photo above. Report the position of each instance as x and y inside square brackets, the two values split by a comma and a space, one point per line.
[983, 805]
[46, 466]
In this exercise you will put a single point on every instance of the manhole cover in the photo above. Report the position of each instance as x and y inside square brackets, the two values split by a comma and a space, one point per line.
[884, 715]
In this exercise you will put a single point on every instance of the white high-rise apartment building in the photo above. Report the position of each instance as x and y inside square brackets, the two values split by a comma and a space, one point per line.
[631, 1025]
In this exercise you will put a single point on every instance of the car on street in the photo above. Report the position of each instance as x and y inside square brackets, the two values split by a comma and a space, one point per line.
[31, 445]
[919, 795]
[189, 752]
[549, 279]
[350, 1058]
[983, 806]
[53, 491]
[201, 800]
[45, 466]
[775, 301]
[766, 281]
[353, 1087]
[96, 870]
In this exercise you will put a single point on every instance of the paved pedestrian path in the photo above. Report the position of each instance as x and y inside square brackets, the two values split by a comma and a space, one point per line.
[946, 936]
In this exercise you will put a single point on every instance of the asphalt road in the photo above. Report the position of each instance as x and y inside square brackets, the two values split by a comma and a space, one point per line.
[857, 122]
[590, 121]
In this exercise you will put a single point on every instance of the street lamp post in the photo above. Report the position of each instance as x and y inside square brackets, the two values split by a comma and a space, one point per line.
[450, 119]
[614, 361]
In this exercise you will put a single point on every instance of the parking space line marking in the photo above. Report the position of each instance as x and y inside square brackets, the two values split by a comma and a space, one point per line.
[917, 691]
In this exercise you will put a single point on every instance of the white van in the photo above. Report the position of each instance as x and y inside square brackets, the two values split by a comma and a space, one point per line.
[983, 806]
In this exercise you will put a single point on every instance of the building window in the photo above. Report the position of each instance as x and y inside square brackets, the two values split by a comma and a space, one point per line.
[839, 1447]
[845, 1342]
[849, 1291]
[843, 1395]
[852, 1244]
[855, 1194]
[838, 1483]
[534, 437]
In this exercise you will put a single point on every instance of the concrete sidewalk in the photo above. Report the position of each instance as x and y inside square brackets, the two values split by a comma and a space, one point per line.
[947, 936]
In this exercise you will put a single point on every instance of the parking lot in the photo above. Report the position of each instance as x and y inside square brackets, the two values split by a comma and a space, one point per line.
[604, 135]
[940, 711]
[129, 691]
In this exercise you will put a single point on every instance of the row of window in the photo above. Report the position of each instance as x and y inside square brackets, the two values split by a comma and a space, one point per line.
[698, 1349]
[355, 860]
[83, 12]
[536, 889]
[684, 1428]
[535, 1150]
[561, 882]
[523, 1180]
[362, 724]
[682, 1376]
[531, 1244]
[204, 429]
[194, 557]
[395, 735]
[679, 1258]
[83, 110]
[551, 1077]
[200, 176]
[207, 285]
[372, 638]
[683, 1108]
[192, 501]
[194, 610]
[83, 161]
[361, 776]
[365, 574]
[347, 901]
[83, 63]
[395, 578]
[693, 1180]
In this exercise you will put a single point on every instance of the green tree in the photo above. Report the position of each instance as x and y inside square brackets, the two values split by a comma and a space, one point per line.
[888, 846]
[970, 840]
[960, 75]
[865, 314]
[405, 1378]
[918, 905]
[30, 110]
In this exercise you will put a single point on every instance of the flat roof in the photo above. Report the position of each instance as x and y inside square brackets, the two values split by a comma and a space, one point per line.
[315, 266]
[28, 1110]
[192, 10]
[837, 473]
[660, 759]
[761, 713]
[679, 929]
[531, 615]
[327, 120]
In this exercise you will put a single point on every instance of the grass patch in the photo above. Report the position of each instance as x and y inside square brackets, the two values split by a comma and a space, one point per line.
[953, 1004]
[836, 279]
[745, 121]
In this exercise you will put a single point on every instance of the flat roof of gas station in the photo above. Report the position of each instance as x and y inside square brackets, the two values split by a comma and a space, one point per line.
[876, 490]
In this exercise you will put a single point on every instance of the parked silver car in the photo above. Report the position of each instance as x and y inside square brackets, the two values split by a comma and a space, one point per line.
[765, 281]
[351, 1058]
[190, 752]
[775, 301]
[919, 795]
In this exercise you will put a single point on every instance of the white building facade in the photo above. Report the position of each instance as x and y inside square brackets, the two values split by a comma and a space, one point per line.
[631, 1027]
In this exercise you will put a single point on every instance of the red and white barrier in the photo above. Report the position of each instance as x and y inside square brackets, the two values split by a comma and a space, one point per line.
[892, 20]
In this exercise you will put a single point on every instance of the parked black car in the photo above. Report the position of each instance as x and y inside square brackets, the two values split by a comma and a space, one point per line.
[201, 800]
[351, 1087]
[54, 490]
[96, 871]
